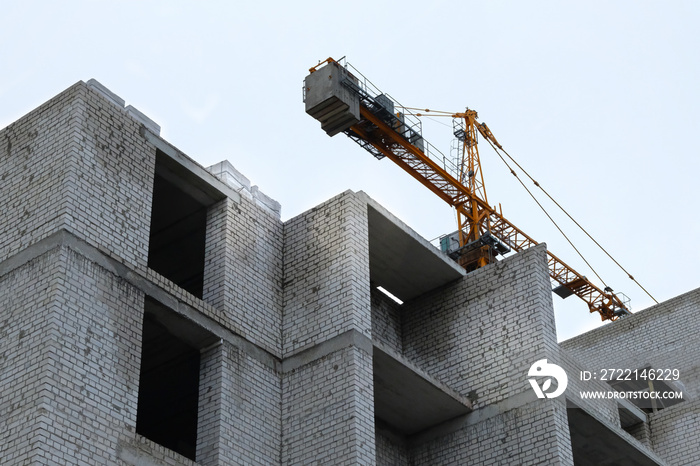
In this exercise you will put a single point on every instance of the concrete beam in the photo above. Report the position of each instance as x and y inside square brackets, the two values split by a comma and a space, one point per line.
[141, 281]
[190, 171]
[323, 349]
[630, 414]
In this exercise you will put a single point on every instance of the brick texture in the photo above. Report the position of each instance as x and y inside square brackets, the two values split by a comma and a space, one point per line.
[481, 335]
[274, 292]
[529, 435]
[665, 336]
[243, 271]
[328, 411]
[326, 273]
[239, 420]
[674, 433]
[386, 321]
[73, 387]
[392, 451]
[75, 164]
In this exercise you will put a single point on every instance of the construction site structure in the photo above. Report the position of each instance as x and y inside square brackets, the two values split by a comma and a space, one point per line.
[343, 100]
[154, 311]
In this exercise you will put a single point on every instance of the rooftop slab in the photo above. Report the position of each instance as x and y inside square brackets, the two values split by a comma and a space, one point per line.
[400, 260]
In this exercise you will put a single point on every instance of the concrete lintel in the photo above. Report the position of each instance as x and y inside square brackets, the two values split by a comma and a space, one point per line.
[181, 326]
[143, 283]
[401, 261]
[630, 414]
[188, 167]
[140, 451]
[349, 338]
[407, 398]
[186, 181]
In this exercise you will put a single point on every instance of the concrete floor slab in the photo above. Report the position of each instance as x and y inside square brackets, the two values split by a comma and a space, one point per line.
[596, 444]
[408, 399]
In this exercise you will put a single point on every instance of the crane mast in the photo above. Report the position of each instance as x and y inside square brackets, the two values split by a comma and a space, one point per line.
[344, 101]
[471, 218]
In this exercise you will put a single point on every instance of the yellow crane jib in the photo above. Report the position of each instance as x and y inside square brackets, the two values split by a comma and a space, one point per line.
[343, 100]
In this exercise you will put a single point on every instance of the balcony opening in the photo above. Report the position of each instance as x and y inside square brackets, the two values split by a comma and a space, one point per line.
[168, 400]
[178, 224]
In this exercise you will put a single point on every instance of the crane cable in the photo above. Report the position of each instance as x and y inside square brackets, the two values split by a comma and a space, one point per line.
[546, 213]
[443, 113]
[567, 214]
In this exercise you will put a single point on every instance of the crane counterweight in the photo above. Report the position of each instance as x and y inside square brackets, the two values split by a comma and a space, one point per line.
[330, 101]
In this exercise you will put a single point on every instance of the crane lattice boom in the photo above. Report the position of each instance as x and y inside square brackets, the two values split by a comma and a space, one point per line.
[344, 101]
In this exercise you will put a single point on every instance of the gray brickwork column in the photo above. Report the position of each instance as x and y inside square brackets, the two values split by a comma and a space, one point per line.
[327, 396]
[211, 416]
[239, 409]
[69, 361]
[326, 273]
[243, 271]
[78, 163]
[328, 410]
[217, 258]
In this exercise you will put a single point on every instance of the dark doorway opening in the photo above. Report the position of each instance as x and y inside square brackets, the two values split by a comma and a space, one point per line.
[179, 224]
[169, 381]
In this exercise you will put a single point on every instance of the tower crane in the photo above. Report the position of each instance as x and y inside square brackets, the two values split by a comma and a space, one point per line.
[343, 100]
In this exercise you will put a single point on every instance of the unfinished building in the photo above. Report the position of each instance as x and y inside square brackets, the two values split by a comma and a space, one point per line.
[155, 312]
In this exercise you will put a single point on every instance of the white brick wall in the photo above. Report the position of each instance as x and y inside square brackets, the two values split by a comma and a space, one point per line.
[392, 452]
[481, 335]
[33, 173]
[326, 273]
[530, 435]
[664, 336]
[328, 411]
[243, 271]
[71, 385]
[239, 421]
[70, 328]
[77, 163]
[675, 431]
[386, 321]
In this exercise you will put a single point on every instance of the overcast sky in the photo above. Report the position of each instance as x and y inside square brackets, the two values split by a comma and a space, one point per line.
[599, 100]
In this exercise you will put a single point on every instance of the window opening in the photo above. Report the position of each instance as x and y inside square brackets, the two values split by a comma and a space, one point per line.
[178, 224]
[168, 400]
